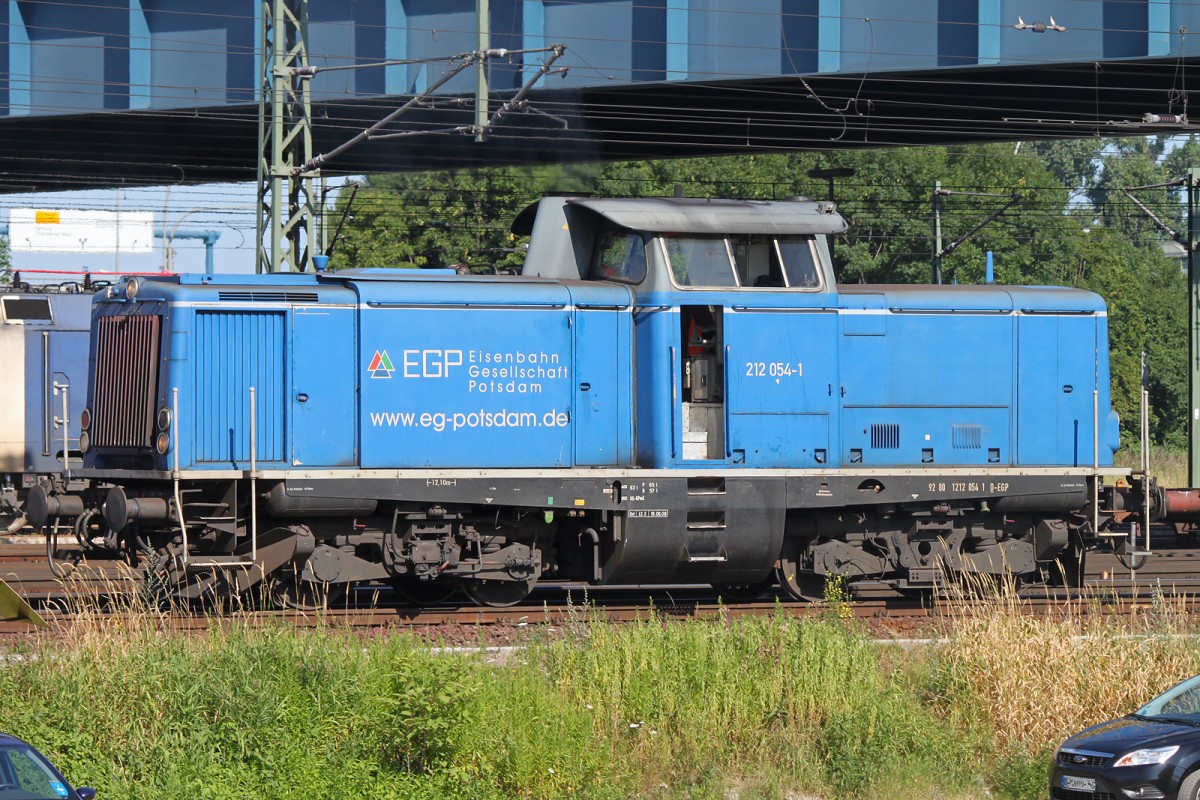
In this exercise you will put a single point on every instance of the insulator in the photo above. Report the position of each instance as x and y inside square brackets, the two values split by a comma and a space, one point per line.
[1164, 119]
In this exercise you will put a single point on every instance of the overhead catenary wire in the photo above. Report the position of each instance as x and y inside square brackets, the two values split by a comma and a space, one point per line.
[623, 114]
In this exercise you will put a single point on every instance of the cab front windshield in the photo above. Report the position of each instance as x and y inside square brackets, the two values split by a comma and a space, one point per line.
[25, 775]
[1181, 702]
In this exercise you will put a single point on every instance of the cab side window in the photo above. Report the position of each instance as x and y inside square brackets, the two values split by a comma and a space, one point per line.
[757, 261]
[621, 256]
[799, 261]
[700, 261]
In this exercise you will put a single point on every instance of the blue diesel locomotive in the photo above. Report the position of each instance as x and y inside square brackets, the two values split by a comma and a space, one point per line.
[44, 343]
[673, 391]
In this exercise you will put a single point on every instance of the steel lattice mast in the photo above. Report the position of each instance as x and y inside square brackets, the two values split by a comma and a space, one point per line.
[287, 220]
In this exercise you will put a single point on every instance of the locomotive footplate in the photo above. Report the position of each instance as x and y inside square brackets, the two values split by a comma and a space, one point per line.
[1001, 491]
[642, 494]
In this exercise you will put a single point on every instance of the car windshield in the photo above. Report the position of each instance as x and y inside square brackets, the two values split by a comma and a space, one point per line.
[25, 775]
[1180, 702]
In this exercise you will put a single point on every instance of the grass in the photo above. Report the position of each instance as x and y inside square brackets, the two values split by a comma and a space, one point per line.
[1169, 467]
[768, 707]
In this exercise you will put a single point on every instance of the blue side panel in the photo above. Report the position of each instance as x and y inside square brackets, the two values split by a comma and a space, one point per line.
[782, 367]
[1037, 440]
[56, 351]
[601, 363]
[54, 355]
[1058, 372]
[323, 395]
[237, 350]
[1076, 382]
[895, 436]
[467, 386]
[657, 339]
[895, 362]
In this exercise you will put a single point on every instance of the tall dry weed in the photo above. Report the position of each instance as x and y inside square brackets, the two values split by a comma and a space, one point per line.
[1036, 678]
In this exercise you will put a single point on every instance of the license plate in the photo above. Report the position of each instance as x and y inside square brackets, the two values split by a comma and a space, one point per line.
[1078, 784]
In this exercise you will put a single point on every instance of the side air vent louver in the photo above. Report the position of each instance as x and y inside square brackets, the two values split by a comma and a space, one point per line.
[256, 296]
[966, 437]
[126, 381]
[885, 436]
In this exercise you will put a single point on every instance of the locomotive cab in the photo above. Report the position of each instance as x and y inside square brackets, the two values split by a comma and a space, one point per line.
[721, 361]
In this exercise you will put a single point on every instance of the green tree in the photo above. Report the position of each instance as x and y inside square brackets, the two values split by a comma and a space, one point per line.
[438, 219]
[6, 271]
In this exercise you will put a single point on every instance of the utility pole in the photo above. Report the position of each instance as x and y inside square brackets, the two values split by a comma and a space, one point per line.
[482, 14]
[940, 252]
[936, 271]
[1193, 239]
[1190, 241]
[286, 230]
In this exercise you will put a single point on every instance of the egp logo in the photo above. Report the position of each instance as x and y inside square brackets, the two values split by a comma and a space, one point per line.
[381, 365]
[430, 363]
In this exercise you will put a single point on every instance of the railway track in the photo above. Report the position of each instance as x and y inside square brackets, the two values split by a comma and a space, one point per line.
[106, 589]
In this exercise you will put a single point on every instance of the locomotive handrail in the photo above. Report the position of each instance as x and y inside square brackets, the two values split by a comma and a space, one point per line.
[472, 304]
[1095, 460]
[175, 484]
[64, 390]
[952, 311]
[790, 310]
[727, 403]
[253, 479]
[253, 561]
[674, 401]
[46, 413]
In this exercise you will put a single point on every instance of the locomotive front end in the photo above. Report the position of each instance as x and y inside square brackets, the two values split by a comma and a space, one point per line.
[127, 422]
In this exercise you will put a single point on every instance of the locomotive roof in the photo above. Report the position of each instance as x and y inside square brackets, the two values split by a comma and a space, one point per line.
[709, 216]
[971, 297]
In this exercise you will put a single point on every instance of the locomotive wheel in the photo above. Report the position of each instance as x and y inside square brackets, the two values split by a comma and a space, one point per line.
[289, 592]
[744, 592]
[422, 594]
[807, 587]
[1069, 569]
[498, 594]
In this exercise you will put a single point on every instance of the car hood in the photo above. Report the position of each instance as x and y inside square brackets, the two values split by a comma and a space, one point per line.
[1129, 733]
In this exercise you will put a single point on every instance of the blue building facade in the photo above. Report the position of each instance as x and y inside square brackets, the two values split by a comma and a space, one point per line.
[634, 69]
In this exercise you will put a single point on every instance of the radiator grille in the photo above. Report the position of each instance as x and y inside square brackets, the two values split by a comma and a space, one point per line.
[126, 381]
[885, 436]
[966, 437]
[1069, 758]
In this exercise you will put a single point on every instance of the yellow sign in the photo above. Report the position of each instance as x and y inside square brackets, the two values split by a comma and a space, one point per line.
[13, 607]
[46, 217]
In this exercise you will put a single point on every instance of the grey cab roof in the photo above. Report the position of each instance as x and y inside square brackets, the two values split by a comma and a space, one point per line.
[705, 216]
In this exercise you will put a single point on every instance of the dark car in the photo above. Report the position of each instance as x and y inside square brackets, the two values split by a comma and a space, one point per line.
[1152, 753]
[25, 774]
